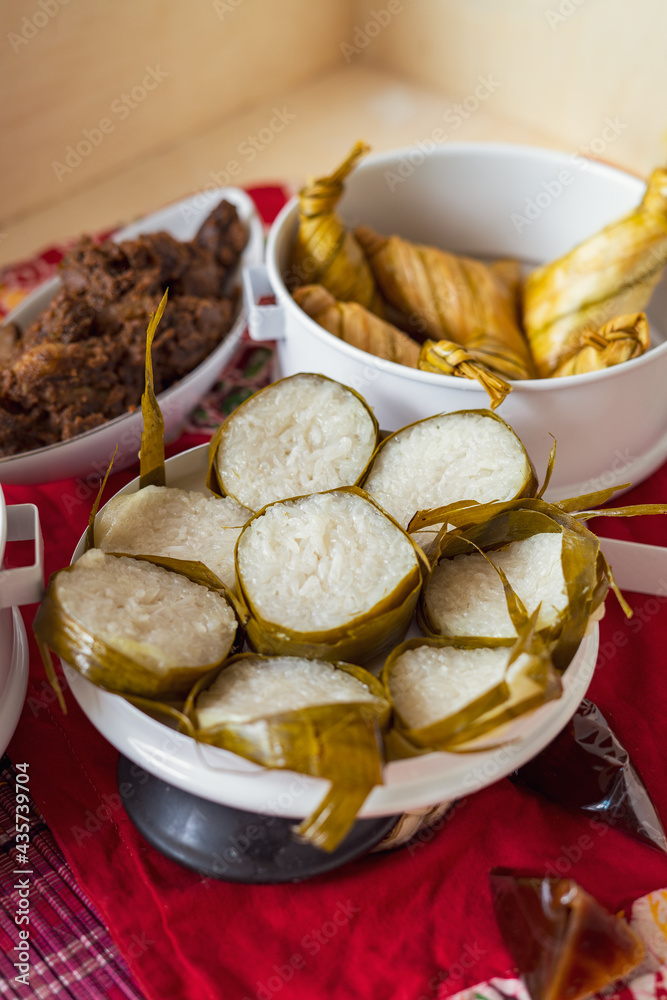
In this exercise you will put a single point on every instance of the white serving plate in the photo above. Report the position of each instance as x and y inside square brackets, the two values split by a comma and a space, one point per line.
[89, 454]
[221, 776]
[610, 426]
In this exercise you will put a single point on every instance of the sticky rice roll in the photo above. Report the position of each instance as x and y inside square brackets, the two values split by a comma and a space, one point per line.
[134, 627]
[465, 597]
[305, 715]
[303, 434]
[251, 686]
[446, 693]
[329, 574]
[468, 454]
[179, 524]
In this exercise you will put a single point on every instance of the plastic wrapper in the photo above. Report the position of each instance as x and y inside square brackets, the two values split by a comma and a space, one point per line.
[565, 945]
[587, 767]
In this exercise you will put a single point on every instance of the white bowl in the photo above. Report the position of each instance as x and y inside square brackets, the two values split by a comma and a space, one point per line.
[89, 454]
[221, 776]
[610, 426]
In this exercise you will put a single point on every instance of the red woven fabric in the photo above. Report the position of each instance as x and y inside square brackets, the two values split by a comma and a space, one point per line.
[416, 923]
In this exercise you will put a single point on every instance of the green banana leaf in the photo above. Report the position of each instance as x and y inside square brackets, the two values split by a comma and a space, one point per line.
[151, 455]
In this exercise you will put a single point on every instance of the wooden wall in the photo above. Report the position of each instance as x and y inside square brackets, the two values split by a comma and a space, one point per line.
[592, 72]
[152, 72]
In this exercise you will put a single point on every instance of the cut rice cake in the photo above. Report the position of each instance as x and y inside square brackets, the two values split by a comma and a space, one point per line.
[135, 627]
[447, 695]
[465, 455]
[326, 575]
[179, 524]
[431, 683]
[465, 597]
[316, 718]
[303, 434]
[253, 686]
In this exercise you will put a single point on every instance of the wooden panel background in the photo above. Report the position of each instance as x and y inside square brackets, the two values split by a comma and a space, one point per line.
[65, 67]
[567, 66]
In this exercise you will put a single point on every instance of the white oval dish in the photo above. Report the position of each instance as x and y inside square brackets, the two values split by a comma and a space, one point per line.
[610, 426]
[221, 776]
[89, 454]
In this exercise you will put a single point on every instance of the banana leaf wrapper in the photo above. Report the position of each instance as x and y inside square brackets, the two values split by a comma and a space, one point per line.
[325, 252]
[339, 742]
[587, 768]
[623, 338]
[111, 669]
[151, 453]
[356, 325]
[611, 274]
[447, 358]
[216, 480]
[521, 690]
[453, 298]
[360, 639]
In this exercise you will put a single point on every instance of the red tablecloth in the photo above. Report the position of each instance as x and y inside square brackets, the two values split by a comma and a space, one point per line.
[413, 924]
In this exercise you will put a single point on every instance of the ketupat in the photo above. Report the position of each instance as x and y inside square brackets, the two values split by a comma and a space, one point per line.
[448, 358]
[351, 322]
[622, 339]
[610, 274]
[455, 298]
[325, 252]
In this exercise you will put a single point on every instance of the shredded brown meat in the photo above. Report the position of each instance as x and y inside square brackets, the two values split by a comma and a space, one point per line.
[81, 362]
